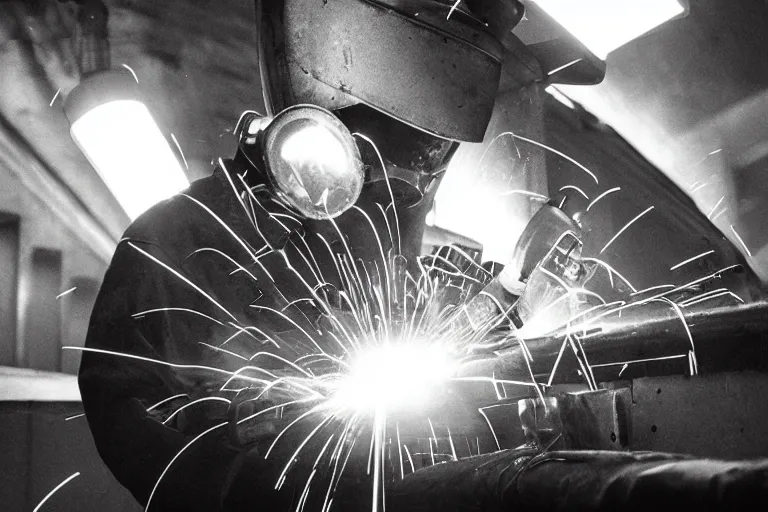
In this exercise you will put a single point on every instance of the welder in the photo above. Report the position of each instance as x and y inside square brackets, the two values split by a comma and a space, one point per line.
[366, 103]
[388, 89]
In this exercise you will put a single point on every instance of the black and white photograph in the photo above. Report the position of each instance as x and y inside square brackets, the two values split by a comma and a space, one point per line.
[383, 255]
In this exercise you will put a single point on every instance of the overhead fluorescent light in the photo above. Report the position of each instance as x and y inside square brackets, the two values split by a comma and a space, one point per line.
[120, 138]
[604, 25]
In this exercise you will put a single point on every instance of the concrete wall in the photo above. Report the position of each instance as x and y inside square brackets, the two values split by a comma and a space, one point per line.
[40, 228]
[691, 97]
[673, 231]
[477, 197]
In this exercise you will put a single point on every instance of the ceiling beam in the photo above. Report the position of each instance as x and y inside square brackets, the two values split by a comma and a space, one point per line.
[18, 156]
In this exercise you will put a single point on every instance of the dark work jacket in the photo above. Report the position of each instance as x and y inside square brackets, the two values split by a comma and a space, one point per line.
[157, 321]
[157, 302]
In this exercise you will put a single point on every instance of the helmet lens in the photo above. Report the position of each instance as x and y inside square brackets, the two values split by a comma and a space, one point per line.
[313, 162]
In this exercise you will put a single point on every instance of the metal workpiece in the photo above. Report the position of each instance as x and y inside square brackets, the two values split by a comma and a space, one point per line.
[724, 339]
[721, 415]
[595, 420]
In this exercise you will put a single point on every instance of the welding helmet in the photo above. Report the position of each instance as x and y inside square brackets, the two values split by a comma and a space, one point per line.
[409, 79]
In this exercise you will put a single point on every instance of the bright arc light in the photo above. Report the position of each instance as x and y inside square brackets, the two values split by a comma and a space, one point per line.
[604, 25]
[127, 149]
[395, 377]
[305, 146]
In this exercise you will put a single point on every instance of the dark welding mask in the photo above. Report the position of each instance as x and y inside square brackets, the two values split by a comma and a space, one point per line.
[408, 79]
[424, 62]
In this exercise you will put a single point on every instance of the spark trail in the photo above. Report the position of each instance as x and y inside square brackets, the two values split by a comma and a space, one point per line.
[371, 359]
[386, 338]
[53, 491]
[626, 226]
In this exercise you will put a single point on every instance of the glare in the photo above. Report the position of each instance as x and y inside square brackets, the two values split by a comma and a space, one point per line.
[127, 149]
[604, 25]
[395, 377]
[316, 145]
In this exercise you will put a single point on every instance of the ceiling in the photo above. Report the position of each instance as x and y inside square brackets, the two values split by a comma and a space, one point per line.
[195, 63]
[690, 96]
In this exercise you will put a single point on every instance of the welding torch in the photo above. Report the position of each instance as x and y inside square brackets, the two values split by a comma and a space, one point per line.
[546, 261]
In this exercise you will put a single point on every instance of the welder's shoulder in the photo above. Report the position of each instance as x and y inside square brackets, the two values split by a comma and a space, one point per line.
[172, 222]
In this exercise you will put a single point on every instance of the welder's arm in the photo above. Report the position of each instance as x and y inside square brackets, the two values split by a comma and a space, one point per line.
[117, 391]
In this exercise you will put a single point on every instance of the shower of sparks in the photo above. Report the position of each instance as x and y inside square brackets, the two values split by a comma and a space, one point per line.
[557, 362]
[709, 215]
[533, 195]
[129, 68]
[392, 343]
[391, 348]
[535, 143]
[166, 400]
[637, 361]
[178, 146]
[554, 151]
[490, 426]
[180, 452]
[689, 260]
[564, 66]
[211, 369]
[741, 241]
[710, 296]
[581, 358]
[389, 187]
[719, 214]
[669, 290]
[700, 186]
[66, 292]
[141, 314]
[652, 288]
[53, 491]
[595, 200]
[611, 272]
[694, 370]
[577, 189]
[625, 228]
[453, 8]
[54, 97]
